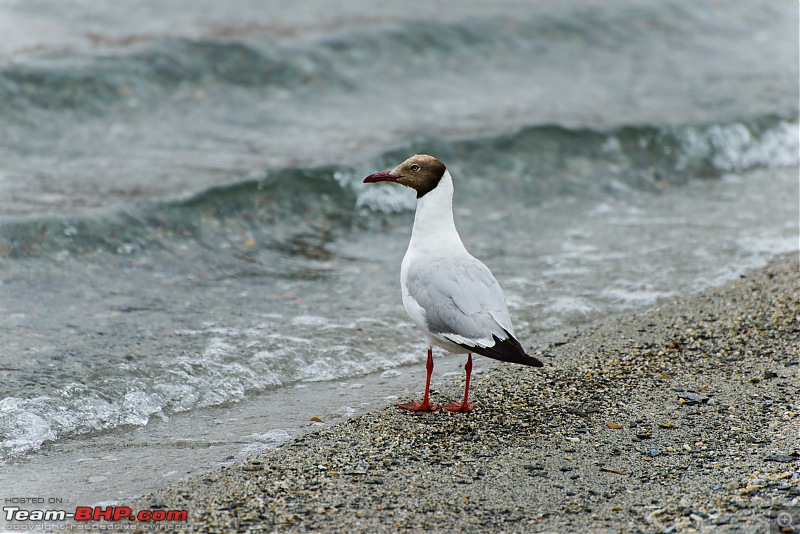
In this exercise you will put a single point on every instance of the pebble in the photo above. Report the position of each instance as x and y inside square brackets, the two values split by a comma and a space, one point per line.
[783, 458]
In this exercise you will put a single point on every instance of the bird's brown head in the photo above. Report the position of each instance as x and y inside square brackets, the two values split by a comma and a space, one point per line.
[420, 172]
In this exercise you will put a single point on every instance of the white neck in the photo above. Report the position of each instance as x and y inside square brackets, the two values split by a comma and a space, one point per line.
[433, 221]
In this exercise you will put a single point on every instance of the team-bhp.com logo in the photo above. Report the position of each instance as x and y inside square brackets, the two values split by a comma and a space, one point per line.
[93, 513]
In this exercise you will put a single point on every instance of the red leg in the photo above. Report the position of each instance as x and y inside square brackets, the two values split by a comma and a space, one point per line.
[465, 406]
[425, 406]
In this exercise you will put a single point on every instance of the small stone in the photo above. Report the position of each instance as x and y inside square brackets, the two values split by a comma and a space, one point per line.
[355, 472]
[533, 467]
[783, 458]
[654, 452]
[749, 490]
[688, 399]
[768, 375]
[613, 426]
[616, 472]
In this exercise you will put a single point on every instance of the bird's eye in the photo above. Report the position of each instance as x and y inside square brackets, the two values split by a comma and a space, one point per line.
[414, 167]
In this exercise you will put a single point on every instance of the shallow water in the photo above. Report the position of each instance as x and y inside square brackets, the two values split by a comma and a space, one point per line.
[185, 243]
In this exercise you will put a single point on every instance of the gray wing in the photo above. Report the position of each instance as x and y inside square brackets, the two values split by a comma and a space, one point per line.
[462, 300]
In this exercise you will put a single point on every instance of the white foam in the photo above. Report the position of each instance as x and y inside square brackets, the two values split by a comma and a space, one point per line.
[22, 428]
[736, 147]
[309, 320]
[569, 305]
[388, 199]
[635, 297]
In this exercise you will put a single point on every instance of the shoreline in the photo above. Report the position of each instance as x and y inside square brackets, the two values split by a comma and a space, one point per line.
[682, 417]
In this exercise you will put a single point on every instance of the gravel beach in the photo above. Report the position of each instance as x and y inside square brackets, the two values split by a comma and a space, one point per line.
[684, 418]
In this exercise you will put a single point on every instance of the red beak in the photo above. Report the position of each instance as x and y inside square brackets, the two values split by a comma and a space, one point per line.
[383, 176]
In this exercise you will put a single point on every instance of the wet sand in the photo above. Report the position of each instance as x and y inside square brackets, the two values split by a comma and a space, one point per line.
[684, 418]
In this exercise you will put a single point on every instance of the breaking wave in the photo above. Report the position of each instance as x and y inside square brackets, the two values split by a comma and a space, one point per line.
[538, 162]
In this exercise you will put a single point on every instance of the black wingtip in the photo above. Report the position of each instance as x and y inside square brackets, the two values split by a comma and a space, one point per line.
[534, 362]
[507, 350]
[511, 350]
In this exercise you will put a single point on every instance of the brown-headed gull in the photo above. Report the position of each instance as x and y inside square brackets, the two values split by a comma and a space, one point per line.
[451, 295]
